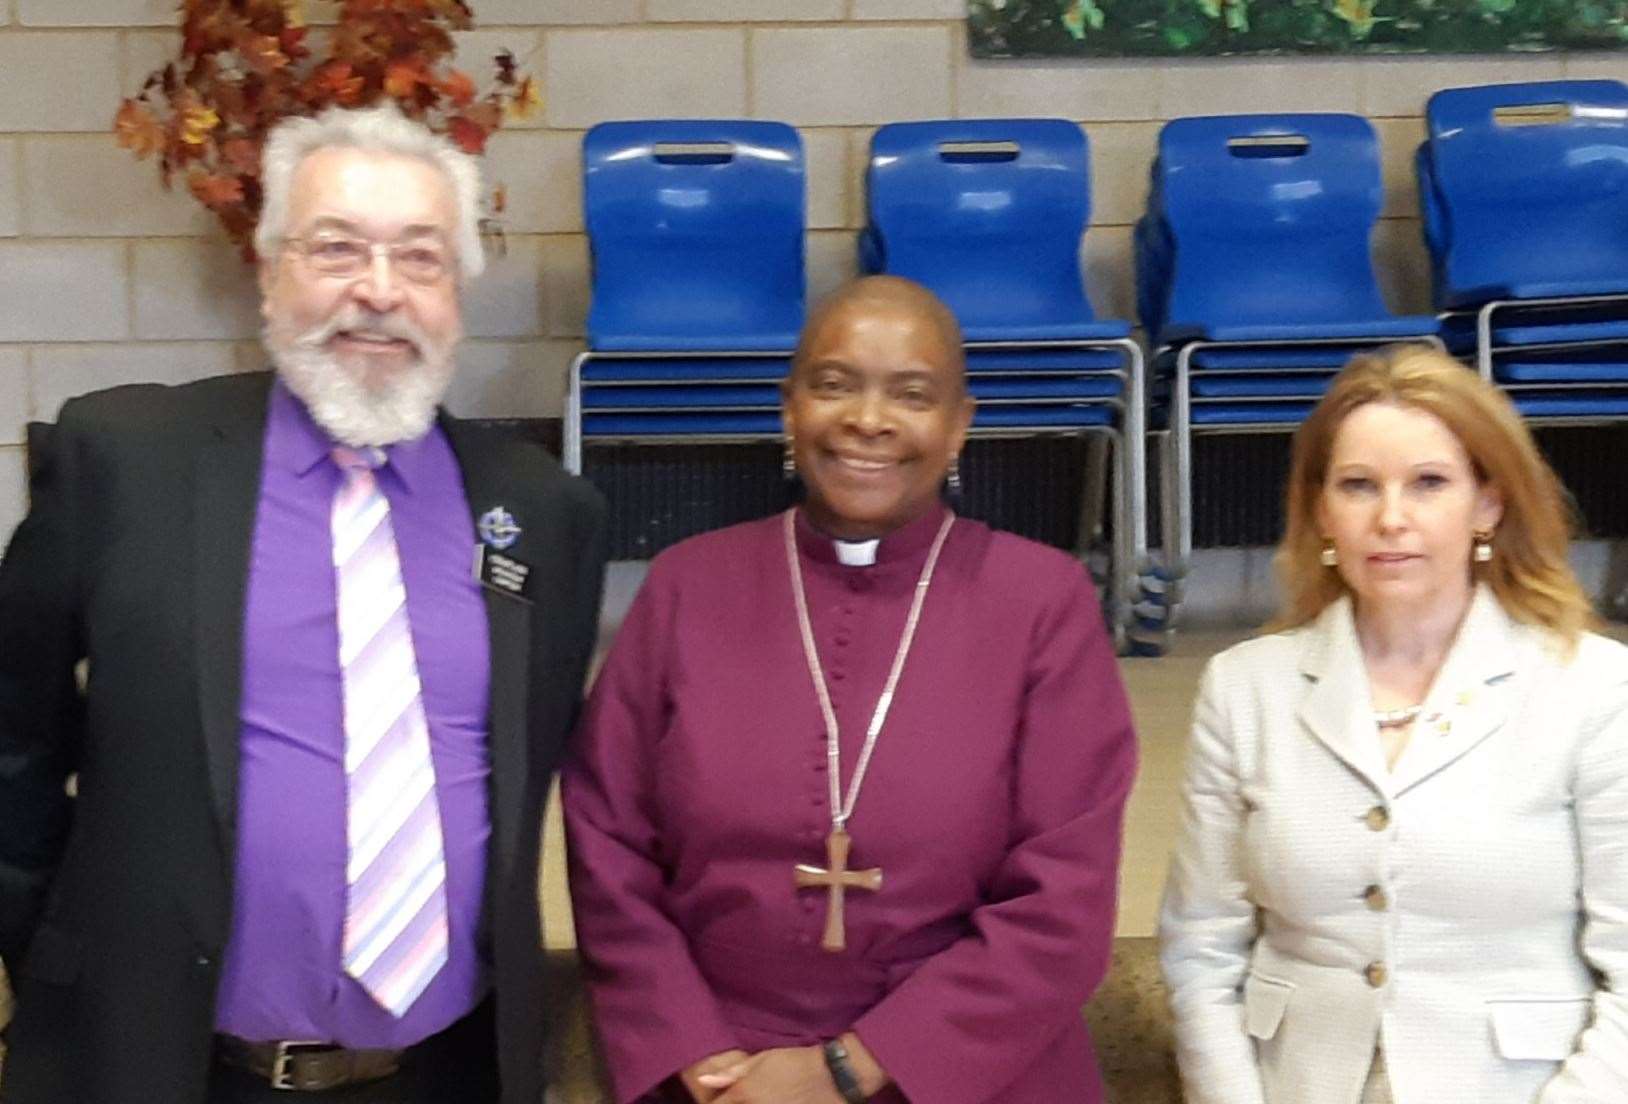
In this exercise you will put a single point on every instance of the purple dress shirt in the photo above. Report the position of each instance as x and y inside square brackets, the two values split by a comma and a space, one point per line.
[282, 977]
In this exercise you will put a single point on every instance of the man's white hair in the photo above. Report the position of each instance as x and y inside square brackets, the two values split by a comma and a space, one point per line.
[383, 129]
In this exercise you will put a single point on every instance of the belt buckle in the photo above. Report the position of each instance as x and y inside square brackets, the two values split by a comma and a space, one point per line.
[282, 1076]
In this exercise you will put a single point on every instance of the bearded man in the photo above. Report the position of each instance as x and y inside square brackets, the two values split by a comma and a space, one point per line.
[334, 641]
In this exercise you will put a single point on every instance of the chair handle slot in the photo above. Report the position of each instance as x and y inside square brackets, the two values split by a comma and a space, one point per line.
[694, 153]
[1541, 114]
[1269, 145]
[975, 152]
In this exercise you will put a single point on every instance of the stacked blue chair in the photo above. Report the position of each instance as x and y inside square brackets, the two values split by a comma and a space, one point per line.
[1523, 193]
[695, 231]
[989, 214]
[1256, 285]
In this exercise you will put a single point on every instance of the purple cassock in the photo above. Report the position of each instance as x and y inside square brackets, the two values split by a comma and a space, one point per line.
[993, 806]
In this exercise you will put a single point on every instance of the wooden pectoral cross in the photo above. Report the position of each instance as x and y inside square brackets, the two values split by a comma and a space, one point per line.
[836, 879]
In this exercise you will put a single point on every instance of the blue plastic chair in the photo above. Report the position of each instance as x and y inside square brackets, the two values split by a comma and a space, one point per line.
[695, 231]
[1533, 181]
[1524, 196]
[1261, 205]
[989, 214]
[696, 234]
[1255, 280]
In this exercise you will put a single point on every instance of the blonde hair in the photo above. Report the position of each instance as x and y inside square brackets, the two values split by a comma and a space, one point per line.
[1529, 571]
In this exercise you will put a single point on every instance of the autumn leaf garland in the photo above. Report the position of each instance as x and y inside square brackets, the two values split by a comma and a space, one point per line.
[244, 65]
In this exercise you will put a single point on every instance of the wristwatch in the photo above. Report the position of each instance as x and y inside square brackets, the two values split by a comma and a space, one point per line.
[836, 1060]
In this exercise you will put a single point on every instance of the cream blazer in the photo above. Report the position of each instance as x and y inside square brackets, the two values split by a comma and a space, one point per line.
[1467, 911]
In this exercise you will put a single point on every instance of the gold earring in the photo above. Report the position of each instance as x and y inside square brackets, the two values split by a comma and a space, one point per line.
[788, 462]
[1483, 546]
[1329, 557]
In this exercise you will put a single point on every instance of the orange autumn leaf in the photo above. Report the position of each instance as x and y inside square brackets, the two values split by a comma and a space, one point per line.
[457, 86]
[213, 190]
[138, 129]
[242, 66]
[402, 78]
[202, 26]
[469, 135]
[527, 99]
[241, 156]
[486, 115]
[196, 123]
[262, 53]
[236, 107]
[336, 82]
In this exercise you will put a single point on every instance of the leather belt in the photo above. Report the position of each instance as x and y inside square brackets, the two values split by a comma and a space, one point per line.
[307, 1067]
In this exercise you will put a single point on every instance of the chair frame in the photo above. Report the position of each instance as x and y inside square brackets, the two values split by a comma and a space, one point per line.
[1486, 348]
[1176, 452]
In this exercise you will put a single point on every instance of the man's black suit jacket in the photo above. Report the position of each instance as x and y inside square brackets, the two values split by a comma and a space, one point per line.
[114, 907]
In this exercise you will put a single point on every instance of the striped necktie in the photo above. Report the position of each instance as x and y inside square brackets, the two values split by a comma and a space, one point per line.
[395, 937]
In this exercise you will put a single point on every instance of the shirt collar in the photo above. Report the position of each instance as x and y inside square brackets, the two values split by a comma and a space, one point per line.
[906, 544]
[857, 553]
[297, 444]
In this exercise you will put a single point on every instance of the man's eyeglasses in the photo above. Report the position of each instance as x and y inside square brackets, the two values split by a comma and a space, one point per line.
[418, 262]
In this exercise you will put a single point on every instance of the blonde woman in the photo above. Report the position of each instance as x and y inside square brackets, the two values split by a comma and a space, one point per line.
[1403, 865]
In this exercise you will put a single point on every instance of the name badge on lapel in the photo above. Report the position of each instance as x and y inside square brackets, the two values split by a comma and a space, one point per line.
[494, 570]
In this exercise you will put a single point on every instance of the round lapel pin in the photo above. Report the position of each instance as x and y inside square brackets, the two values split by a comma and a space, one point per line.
[497, 528]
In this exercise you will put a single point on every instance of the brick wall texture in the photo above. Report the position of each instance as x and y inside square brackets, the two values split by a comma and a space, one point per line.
[105, 278]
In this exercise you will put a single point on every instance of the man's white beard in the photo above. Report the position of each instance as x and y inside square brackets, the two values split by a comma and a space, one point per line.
[398, 408]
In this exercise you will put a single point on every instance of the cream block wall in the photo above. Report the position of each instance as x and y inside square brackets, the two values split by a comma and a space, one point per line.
[107, 279]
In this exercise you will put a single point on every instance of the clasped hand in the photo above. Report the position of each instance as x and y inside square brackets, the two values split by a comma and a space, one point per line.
[786, 1075]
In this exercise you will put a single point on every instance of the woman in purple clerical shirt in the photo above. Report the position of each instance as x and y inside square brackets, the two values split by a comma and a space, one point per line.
[845, 808]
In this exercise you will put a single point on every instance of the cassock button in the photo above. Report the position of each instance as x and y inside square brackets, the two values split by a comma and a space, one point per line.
[1375, 974]
[837, 676]
[1375, 898]
[842, 641]
[1378, 818]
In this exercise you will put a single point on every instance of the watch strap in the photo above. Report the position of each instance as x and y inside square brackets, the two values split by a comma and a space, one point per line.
[842, 1072]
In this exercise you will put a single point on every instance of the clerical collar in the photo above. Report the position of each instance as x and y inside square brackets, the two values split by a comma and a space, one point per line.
[857, 553]
[905, 547]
